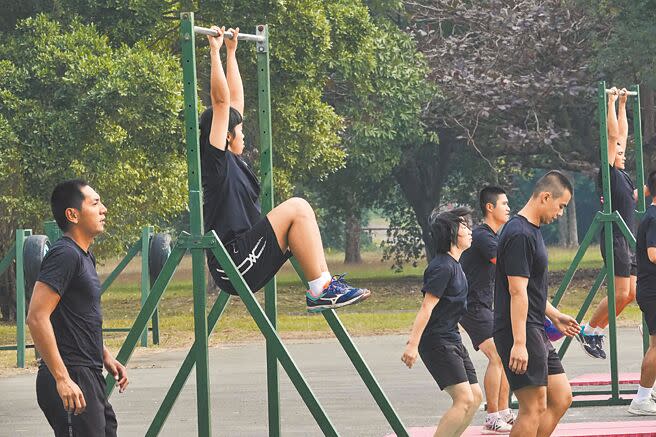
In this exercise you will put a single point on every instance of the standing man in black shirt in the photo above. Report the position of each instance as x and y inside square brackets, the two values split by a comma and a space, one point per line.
[478, 262]
[643, 404]
[623, 200]
[65, 320]
[532, 366]
[259, 245]
[435, 336]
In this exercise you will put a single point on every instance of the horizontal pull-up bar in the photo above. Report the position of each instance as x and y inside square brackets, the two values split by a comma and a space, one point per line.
[619, 92]
[226, 34]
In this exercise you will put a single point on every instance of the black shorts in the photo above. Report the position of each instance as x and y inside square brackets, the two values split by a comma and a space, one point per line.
[647, 305]
[98, 420]
[449, 364]
[542, 357]
[623, 256]
[256, 254]
[478, 322]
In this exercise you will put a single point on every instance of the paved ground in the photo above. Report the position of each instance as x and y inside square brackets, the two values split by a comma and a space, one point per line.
[239, 391]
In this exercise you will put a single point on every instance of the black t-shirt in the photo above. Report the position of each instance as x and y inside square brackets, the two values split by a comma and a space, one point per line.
[77, 319]
[621, 191]
[521, 252]
[445, 279]
[477, 265]
[645, 238]
[230, 193]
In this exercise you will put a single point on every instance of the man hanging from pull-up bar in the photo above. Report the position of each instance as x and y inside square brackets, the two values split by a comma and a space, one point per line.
[258, 245]
[623, 200]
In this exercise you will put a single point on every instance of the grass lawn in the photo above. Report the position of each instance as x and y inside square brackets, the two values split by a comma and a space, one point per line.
[391, 308]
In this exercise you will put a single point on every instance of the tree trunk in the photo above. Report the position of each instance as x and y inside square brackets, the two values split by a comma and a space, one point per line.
[421, 177]
[573, 233]
[352, 233]
[563, 233]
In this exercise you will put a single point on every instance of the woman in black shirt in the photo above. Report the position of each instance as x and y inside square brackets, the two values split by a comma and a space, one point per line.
[259, 245]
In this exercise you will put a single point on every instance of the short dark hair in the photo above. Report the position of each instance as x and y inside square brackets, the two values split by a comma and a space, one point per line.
[651, 183]
[205, 124]
[489, 194]
[67, 194]
[553, 182]
[444, 227]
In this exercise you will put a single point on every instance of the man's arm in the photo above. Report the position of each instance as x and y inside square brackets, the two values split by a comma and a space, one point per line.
[622, 123]
[423, 316]
[517, 286]
[563, 322]
[219, 93]
[234, 78]
[43, 303]
[612, 126]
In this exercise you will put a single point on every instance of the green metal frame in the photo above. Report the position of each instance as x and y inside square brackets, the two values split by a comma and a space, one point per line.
[197, 243]
[605, 220]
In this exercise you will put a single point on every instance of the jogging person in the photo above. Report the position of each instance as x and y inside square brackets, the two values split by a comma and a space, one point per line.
[532, 366]
[259, 245]
[478, 263]
[623, 200]
[65, 321]
[643, 404]
[435, 336]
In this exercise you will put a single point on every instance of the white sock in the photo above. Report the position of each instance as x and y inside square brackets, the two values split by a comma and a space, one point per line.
[643, 393]
[599, 331]
[491, 417]
[317, 285]
[588, 330]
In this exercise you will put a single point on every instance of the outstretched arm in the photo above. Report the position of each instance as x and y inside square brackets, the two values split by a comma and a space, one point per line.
[219, 93]
[623, 125]
[612, 126]
[234, 78]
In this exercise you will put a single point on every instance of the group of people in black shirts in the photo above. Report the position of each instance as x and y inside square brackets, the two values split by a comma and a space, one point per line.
[494, 284]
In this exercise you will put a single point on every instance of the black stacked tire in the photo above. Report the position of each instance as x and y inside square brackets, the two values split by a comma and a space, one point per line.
[34, 250]
[160, 249]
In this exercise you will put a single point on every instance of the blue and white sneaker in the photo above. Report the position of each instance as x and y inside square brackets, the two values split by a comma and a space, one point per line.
[337, 294]
[592, 344]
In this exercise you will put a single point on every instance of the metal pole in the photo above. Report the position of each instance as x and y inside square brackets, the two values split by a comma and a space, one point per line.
[242, 36]
[196, 222]
[21, 234]
[628, 93]
[266, 176]
[608, 240]
[145, 277]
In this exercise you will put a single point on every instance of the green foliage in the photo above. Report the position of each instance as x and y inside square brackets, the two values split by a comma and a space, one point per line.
[76, 107]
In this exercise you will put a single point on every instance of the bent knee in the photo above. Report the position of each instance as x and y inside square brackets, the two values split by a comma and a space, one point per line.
[301, 206]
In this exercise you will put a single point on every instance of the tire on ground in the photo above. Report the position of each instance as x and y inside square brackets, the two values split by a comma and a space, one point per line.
[34, 250]
[160, 249]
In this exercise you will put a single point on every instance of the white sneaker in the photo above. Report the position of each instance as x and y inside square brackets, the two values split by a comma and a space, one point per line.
[511, 418]
[643, 407]
[496, 427]
[653, 394]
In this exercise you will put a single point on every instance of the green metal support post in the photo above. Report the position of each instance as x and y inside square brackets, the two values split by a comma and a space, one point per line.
[188, 41]
[266, 177]
[52, 231]
[21, 235]
[146, 233]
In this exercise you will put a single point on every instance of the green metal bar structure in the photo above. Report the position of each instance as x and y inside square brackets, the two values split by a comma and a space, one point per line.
[21, 235]
[356, 358]
[132, 252]
[196, 242]
[196, 222]
[185, 369]
[52, 231]
[146, 233]
[267, 199]
[606, 220]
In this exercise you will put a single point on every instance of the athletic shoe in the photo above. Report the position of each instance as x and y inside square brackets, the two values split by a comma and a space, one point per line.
[653, 394]
[600, 345]
[336, 294]
[590, 344]
[508, 418]
[643, 407]
[496, 427]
